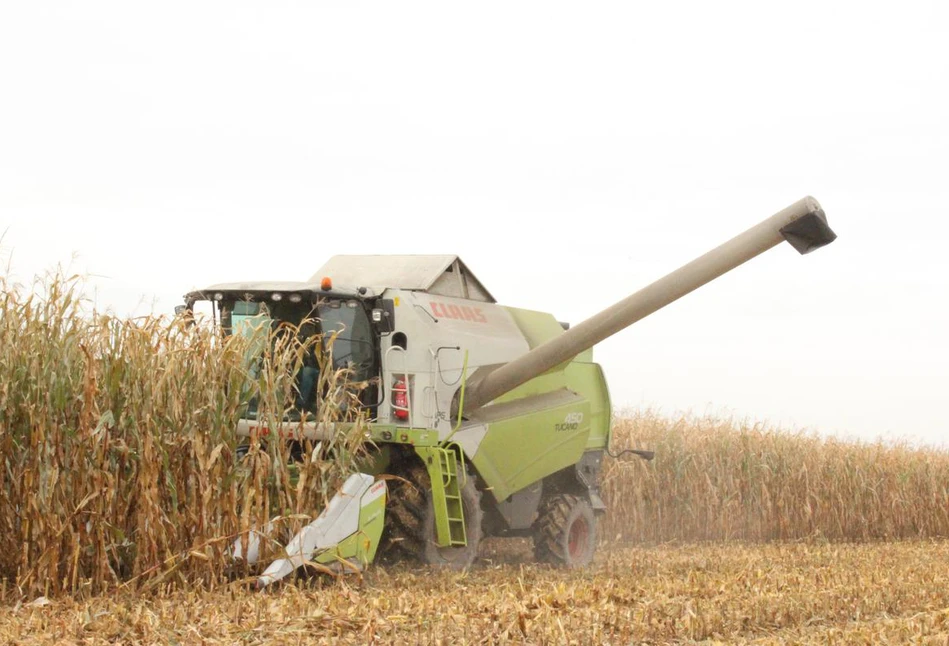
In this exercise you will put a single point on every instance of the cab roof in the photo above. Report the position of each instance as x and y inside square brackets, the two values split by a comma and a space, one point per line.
[355, 276]
[445, 275]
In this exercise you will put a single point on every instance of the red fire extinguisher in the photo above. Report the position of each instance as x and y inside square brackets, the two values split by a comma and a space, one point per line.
[400, 400]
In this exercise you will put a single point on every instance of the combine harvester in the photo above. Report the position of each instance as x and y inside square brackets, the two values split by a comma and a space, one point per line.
[494, 418]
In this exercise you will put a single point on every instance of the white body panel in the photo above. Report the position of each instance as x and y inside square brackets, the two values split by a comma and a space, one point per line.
[439, 330]
[254, 538]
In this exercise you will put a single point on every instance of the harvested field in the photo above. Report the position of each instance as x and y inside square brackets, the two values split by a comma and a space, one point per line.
[870, 593]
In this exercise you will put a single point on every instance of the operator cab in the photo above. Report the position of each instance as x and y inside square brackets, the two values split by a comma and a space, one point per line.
[348, 323]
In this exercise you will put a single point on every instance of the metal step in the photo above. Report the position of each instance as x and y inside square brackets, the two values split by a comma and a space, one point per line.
[443, 471]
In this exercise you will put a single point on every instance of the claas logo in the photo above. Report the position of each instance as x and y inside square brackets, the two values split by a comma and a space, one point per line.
[458, 312]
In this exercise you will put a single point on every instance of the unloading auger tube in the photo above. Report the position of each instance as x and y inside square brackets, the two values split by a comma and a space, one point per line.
[803, 225]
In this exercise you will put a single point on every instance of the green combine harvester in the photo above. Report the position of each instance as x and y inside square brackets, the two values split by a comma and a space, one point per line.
[495, 419]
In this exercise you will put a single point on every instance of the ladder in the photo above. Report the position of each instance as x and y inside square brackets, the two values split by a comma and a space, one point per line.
[442, 465]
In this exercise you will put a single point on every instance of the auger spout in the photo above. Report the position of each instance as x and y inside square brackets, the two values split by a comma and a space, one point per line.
[803, 225]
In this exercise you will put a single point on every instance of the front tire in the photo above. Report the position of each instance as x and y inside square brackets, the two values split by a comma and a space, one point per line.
[565, 532]
[410, 523]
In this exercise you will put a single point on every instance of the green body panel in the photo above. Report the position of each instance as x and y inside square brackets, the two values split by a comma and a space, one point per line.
[540, 327]
[526, 447]
[537, 327]
[444, 472]
[519, 451]
[381, 433]
[588, 380]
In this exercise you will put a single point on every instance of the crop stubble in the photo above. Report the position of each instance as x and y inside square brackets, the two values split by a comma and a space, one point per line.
[870, 593]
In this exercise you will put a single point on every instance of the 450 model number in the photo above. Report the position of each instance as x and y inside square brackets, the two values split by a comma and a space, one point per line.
[570, 423]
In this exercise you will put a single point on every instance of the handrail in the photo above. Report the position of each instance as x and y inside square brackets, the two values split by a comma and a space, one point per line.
[461, 399]
[387, 379]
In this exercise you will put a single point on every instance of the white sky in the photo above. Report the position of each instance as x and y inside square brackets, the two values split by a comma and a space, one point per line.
[570, 153]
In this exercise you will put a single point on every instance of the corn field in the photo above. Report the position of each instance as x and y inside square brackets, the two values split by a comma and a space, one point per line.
[718, 479]
[118, 444]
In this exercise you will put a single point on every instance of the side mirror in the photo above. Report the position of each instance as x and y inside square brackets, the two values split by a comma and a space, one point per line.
[184, 312]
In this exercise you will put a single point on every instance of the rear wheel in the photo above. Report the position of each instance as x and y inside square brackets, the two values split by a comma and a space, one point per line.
[410, 523]
[565, 532]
